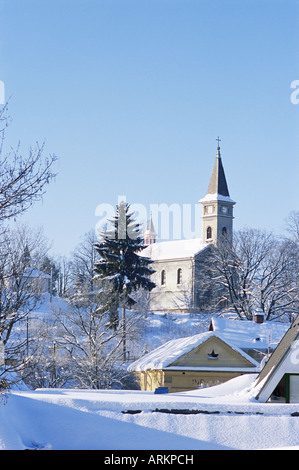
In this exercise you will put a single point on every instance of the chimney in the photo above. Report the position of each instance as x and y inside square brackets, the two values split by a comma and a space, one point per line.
[259, 316]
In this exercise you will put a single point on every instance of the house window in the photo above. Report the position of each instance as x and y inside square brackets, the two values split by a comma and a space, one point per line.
[287, 390]
[163, 277]
[179, 276]
[293, 388]
[279, 393]
[209, 233]
[213, 355]
[167, 379]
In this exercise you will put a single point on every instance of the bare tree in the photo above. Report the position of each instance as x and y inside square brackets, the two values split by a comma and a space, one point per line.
[21, 251]
[91, 346]
[293, 226]
[255, 272]
[64, 276]
[46, 365]
[83, 261]
[292, 240]
[22, 178]
[19, 280]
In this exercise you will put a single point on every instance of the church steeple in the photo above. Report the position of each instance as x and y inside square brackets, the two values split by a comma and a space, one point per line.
[150, 235]
[217, 216]
[218, 184]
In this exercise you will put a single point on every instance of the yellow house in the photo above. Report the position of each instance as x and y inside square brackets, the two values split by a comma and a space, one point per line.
[189, 363]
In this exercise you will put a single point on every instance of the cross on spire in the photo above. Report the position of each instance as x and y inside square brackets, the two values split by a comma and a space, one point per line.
[218, 140]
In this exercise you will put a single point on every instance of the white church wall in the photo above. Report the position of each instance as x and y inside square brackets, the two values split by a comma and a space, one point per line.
[173, 290]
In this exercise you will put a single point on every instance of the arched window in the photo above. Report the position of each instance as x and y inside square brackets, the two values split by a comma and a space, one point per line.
[179, 276]
[224, 232]
[163, 277]
[209, 233]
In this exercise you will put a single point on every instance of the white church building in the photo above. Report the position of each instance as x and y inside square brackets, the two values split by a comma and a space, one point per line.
[178, 263]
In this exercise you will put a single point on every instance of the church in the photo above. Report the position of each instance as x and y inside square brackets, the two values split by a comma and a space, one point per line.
[178, 264]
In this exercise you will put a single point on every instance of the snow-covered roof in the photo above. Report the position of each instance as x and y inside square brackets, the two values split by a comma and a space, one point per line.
[216, 197]
[35, 273]
[175, 249]
[250, 335]
[162, 357]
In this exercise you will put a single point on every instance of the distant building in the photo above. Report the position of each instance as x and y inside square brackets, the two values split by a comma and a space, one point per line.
[36, 280]
[178, 264]
[189, 363]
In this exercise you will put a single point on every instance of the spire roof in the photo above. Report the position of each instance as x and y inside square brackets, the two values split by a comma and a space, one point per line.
[150, 235]
[150, 227]
[218, 184]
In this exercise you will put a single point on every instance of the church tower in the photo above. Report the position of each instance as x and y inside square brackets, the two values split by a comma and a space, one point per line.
[217, 206]
[149, 235]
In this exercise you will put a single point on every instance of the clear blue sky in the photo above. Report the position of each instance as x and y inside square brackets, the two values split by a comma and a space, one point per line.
[131, 95]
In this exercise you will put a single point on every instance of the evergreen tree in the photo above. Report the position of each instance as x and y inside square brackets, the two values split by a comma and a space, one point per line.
[120, 262]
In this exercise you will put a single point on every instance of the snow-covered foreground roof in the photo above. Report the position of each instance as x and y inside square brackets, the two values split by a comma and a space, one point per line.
[175, 249]
[250, 335]
[169, 352]
[225, 417]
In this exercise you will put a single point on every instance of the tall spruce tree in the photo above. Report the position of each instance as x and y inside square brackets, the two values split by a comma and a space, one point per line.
[120, 262]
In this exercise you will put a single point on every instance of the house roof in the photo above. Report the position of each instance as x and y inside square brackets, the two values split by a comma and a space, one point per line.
[248, 334]
[175, 249]
[279, 355]
[165, 355]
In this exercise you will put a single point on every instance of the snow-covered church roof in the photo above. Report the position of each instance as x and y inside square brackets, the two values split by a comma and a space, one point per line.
[175, 249]
[165, 355]
[35, 273]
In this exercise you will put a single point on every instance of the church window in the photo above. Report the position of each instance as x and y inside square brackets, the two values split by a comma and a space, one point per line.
[163, 277]
[179, 276]
[209, 233]
[224, 232]
[209, 209]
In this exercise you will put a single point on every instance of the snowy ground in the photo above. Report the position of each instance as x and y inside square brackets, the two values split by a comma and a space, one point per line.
[225, 417]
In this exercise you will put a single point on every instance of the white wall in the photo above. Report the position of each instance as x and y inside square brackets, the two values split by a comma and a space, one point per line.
[172, 296]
